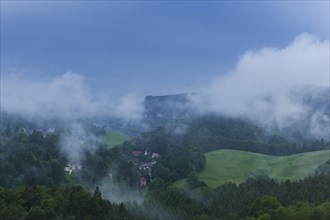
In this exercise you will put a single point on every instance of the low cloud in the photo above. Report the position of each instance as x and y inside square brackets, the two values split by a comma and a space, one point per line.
[75, 140]
[260, 84]
[129, 107]
[65, 97]
[259, 87]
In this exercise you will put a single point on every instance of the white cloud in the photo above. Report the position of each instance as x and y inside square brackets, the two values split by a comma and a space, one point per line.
[129, 107]
[66, 97]
[258, 86]
[74, 141]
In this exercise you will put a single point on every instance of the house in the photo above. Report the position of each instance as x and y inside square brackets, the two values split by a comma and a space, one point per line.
[39, 131]
[143, 166]
[143, 182]
[70, 168]
[51, 130]
[155, 155]
[136, 153]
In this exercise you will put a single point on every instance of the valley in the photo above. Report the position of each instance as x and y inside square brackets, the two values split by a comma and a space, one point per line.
[164, 110]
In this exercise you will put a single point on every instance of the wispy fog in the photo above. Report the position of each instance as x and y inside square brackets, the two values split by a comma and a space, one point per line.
[262, 86]
[67, 97]
[75, 140]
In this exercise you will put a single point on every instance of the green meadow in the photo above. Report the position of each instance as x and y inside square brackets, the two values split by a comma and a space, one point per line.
[113, 137]
[237, 166]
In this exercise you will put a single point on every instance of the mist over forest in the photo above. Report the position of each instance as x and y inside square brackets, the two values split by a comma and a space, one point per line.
[167, 110]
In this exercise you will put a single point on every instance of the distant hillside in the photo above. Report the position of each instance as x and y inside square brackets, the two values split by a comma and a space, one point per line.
[314, 121]
[237, 166]
[166, 110]
[176, 111]
[113, 137]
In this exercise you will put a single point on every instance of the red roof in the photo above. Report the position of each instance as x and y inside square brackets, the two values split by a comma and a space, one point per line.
[136, 152]
[155, 155]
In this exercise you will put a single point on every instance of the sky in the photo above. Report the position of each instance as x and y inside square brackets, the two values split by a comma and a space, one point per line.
[121, 48]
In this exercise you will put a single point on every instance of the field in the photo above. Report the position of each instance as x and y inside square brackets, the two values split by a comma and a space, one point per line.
[237, 166]
[113, 137]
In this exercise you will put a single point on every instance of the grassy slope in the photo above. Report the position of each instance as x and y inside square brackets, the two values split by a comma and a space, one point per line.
[112, 137]
[237, 166]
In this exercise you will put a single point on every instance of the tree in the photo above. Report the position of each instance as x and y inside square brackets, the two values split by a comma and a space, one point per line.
[192, 180]
[95, 204]
[156, 186]
[263, 205]
[56, 171]
[36, 213]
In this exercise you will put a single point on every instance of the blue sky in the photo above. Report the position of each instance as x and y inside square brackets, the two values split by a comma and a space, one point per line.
[147, 47]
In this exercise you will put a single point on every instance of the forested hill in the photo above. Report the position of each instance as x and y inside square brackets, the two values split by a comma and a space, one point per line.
[34, 159]
[40, 168]
[166, 110]
[30, 159]
[213, 132]
[310, 122]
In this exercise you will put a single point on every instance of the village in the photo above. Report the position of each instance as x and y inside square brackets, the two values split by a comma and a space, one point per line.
[145, 162]
[40, 131]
